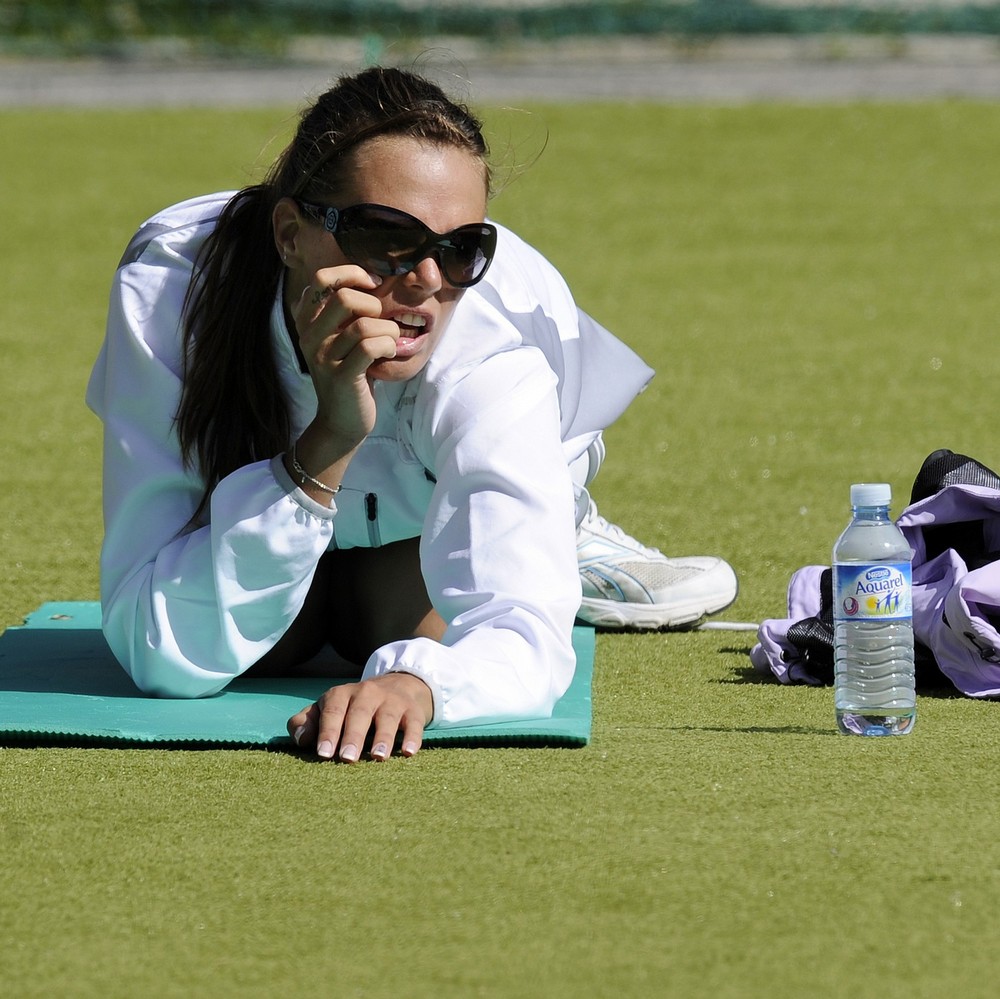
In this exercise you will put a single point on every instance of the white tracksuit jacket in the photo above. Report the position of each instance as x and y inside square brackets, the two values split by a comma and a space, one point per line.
[471, 455]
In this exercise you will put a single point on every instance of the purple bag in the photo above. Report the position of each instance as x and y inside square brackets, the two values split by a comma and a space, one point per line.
[953, 526]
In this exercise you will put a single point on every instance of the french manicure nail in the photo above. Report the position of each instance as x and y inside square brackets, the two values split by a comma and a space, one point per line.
[409, 748]
[325, 749]
[380, 751]
[298, 733]
[349, 753]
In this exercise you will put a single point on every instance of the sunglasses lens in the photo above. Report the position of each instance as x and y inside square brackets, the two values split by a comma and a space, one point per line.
[382, 245]
[466, 253]
[387, 242]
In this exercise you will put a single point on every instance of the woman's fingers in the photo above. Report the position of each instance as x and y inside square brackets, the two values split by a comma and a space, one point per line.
[329, 311]
[335, 296]
[302, 726]
[413, 736]
[359, 344]
[334, 705]
[339, 724]
[408, 714]
[341, 334]
[339, 322]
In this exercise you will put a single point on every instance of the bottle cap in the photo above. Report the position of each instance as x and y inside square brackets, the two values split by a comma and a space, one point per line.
[871, 494]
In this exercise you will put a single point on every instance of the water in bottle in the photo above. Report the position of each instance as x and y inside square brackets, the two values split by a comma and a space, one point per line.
[873, 619]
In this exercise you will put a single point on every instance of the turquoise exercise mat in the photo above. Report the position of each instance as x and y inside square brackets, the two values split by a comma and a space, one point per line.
[60, 685]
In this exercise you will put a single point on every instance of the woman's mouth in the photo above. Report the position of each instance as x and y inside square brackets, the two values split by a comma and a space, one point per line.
[412, 327]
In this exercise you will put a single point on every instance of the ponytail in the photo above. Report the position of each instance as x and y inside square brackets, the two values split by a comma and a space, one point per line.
[232, 411]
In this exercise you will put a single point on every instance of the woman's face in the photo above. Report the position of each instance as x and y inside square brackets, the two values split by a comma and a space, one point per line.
[444, 187]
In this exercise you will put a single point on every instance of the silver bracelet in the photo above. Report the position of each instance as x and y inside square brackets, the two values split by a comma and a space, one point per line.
[306, 477]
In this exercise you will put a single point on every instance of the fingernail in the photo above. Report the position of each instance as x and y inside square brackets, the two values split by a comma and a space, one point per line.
[380, 751]
[409, 748]
[298, 733]
[376, 279]
[325, 749]
[349, 753]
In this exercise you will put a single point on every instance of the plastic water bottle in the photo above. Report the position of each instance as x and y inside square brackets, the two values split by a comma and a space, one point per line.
[873, 619]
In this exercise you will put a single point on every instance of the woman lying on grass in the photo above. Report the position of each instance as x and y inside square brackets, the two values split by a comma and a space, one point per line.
[341, 411]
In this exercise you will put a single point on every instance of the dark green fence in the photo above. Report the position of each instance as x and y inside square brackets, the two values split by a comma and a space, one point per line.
[265, 25]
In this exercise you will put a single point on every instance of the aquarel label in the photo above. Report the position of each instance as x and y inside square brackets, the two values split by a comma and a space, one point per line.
[880, 591]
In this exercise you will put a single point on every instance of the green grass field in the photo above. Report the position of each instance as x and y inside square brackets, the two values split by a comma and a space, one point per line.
[819, 290]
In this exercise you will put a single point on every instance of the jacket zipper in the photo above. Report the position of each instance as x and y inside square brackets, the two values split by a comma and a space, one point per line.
[371, 509]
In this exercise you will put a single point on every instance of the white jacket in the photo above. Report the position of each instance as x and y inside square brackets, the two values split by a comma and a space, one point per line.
[470, 455]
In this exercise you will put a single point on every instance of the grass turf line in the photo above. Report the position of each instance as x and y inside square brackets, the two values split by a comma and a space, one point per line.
[817, 288]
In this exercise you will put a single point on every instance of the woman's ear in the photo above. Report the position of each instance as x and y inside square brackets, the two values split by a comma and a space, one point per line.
[286, 221]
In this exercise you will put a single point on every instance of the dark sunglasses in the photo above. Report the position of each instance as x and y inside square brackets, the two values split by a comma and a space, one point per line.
[388, 242]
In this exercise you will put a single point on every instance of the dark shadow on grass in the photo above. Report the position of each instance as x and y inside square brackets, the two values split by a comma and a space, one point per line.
[744, 674]
[756, 729]
[747, 674]
[931, 682]
[939, 693]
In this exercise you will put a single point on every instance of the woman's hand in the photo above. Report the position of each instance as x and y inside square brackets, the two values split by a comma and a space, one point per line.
[341, 334]
[339, 723]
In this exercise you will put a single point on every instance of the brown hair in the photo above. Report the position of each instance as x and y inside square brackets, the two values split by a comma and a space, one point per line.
[232, 410]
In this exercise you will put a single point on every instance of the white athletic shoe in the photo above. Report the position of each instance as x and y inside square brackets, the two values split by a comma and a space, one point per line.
[627, 585]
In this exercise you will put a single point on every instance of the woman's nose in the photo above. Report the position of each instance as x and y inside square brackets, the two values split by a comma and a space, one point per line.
[426, 275]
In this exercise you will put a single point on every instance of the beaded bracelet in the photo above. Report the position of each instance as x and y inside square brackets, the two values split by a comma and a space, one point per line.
[306, 477]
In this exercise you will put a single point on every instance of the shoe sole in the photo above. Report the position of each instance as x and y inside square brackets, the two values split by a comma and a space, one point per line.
[649, 617]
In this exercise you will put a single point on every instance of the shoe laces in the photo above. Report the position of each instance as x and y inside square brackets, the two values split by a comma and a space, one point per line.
[594, 521]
